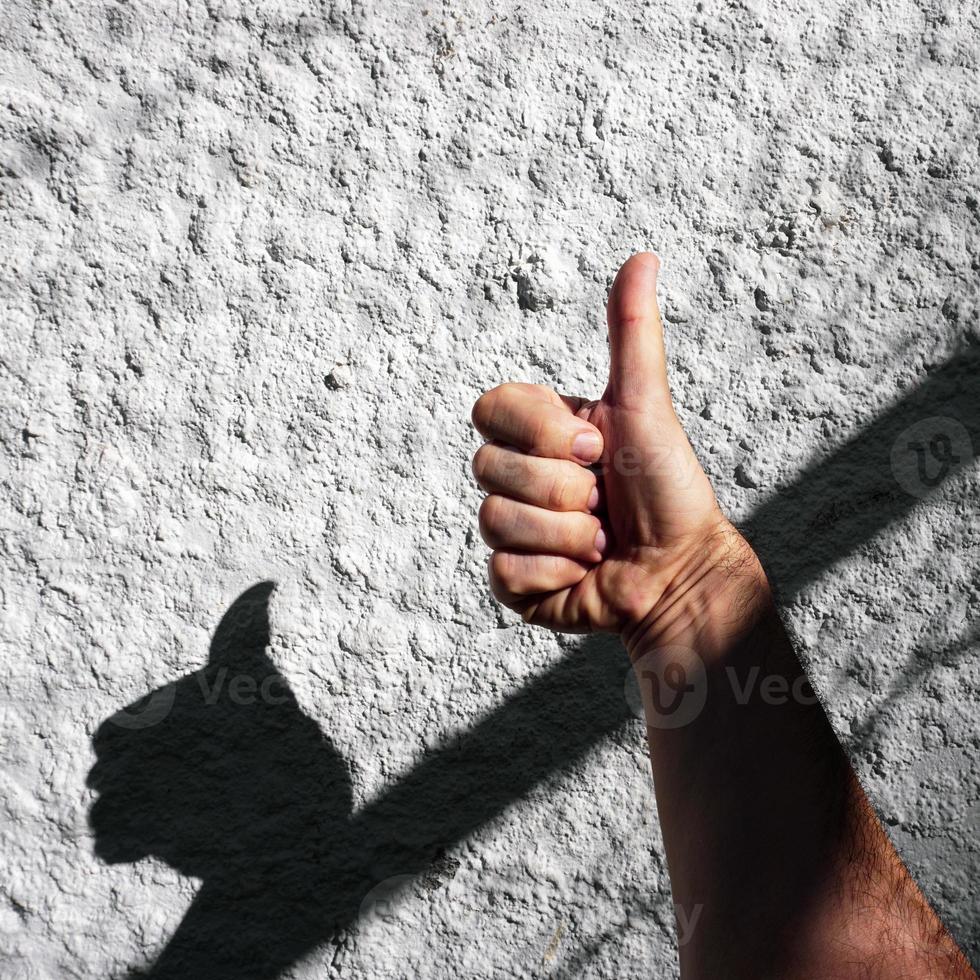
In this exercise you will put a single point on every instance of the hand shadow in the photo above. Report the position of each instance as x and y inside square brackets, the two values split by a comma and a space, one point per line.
[236, 786]
[223, 777]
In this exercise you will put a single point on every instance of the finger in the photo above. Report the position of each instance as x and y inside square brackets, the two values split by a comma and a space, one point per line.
[536, 420]
[514, 575]
[515, 526]
[555, 484]
[637, 364]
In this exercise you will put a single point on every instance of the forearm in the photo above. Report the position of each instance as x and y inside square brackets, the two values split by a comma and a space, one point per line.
[779, 867]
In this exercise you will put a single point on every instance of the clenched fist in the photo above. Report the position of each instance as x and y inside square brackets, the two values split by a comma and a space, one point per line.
[635, 545]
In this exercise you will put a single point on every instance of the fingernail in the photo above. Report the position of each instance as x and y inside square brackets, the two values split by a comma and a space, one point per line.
[600, 541]
[587, 446]
[593, 499]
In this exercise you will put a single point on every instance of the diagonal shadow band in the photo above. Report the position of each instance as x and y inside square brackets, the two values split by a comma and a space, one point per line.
[233, 784]
[839, 503]
[546, 727]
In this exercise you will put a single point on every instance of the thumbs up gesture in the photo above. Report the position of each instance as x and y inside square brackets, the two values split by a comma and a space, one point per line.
[635, 545]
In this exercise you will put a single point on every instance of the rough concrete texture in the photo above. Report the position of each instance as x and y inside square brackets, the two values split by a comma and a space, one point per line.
[258, 261]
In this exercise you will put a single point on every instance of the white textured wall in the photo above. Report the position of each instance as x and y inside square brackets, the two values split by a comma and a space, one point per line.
[258, 260]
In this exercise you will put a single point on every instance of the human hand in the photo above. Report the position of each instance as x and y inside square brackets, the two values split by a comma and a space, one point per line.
[643, 549]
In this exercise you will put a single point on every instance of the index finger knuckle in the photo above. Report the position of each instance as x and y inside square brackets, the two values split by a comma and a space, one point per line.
[560, 493]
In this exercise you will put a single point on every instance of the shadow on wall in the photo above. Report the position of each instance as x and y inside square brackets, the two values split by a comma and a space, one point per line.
[223, 777]
[839, 503]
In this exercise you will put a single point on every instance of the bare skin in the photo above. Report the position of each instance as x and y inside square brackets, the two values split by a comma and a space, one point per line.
[779, 866]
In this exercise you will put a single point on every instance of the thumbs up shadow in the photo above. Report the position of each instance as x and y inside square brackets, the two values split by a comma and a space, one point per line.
[222, 776]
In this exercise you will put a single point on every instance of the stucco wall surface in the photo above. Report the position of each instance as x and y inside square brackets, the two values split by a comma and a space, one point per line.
[257, 262]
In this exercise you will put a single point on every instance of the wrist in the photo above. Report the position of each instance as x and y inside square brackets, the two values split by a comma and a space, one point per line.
[716, 592]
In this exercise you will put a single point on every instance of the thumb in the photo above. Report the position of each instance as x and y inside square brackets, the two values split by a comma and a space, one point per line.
[637, 364]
